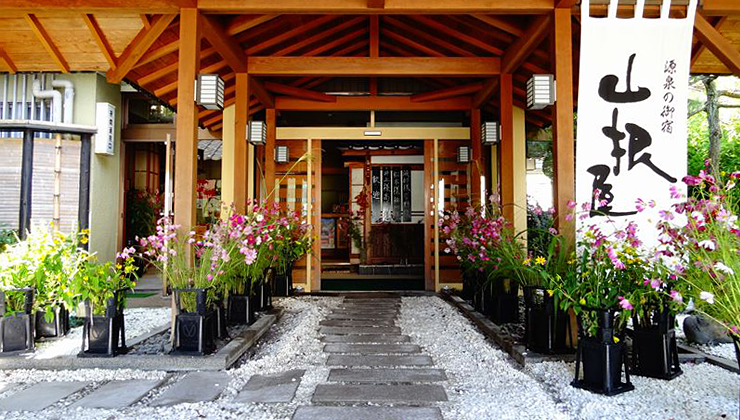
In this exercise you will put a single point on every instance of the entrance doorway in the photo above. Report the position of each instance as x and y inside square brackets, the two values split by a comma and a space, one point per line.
[372, 215]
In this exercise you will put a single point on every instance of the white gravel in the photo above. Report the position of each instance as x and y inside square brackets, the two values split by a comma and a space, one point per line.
[726, 350]
[137, 321]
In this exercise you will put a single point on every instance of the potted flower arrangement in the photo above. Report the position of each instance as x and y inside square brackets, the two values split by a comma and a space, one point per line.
[16, 323]
[607, 267]
[291, 241]
[457, 228]
[102, 288]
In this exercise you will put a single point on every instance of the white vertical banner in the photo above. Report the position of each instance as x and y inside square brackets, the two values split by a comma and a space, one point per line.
[632, 114]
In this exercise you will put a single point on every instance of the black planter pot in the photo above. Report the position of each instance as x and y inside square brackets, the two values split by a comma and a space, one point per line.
[255, 296]
[195, 332]
[468, 285]
[219, 320]
[501, 305]
[265, 290]
[602, 360]
[480, 291]
[241, 307]
[16, 330]
[283, 284]
[104, 335]
[58, 327]
[545, 327]
[654, 349]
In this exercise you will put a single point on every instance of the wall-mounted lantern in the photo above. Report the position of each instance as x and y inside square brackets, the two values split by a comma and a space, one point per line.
[257, 133]
[282, 154]
[540, 91]
[209, 91]
[463, 154]
[490, 133]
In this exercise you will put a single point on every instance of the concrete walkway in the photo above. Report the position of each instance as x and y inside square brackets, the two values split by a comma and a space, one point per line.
[377, 372]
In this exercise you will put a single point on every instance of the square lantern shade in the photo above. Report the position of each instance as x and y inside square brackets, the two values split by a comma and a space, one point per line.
[463, 154]
[540, 91]
[257, 133]
[281, 154]
[210, 91]
[489, 133]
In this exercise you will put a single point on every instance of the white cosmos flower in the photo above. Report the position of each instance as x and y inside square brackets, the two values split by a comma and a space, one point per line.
[707, 297]
[707, 244]
[260, 217]
[723, 268]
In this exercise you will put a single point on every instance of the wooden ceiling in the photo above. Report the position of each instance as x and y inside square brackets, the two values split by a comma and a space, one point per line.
[143, 48]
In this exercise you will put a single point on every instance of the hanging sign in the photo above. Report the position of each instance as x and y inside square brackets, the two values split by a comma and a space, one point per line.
[632, 106]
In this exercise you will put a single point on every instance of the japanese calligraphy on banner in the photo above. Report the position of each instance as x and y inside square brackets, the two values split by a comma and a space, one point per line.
[632, 114]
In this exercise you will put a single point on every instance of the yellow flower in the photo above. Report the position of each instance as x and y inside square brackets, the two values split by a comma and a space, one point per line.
[85, 231]
[582, 301]
[540, 260]
[83, 240]
[616, 339]
[133, 284]
[527, 262]
[118, 266]
[550, 292]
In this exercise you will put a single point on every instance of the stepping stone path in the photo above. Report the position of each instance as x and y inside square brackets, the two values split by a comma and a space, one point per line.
[117, 394]
[194, 387]
[271, 388]
[375, 364]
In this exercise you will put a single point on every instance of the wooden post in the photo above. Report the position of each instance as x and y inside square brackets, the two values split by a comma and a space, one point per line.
[563, 138]
[507, 146]
[428, 209]
[269, 154]
[186, 152]
[56, 203]
[316, 196]
[241, 116]
[83, 209]
[438, 204]
[477, 164]
[24, 221]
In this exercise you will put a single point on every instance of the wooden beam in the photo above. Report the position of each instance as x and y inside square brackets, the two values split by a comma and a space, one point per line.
[299, 93]
[521, 49]
[374, 36]
[447, 93]
[375, 4]
[225, 45]
[295, 46]
[259, 91]
[418, 46]
[157, 74]
[47, 42]
[8, 62]
[506, 115]
[563, 144]
[368, 103]
[455, 34]
[720, 46]
[145, 21]
[282, 37]
[98, 6]
[100, 39]
[482, 96]
[158, 53]
[428, 37]
[501, 23]
[186, 152]
[242, 23]
[698, 48]
[720, 7]
[138, 46]
[565, 4]
[369, 66]
[361, 6]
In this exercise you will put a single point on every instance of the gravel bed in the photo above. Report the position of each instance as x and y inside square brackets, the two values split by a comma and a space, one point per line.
[726, 350]
[138, 321]
[483, 381]
[292, 343]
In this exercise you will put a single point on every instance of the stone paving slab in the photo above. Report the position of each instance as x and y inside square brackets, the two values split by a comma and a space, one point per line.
[367, 413]
[359, 330]
[271, 388]
[194, 387]
[40, 396]
[371, 306]
[362, 316]
[387, 361]
[357, 323]
[380, 375]
[369, 311]
[371, 348]
[118, 394]
[407, 394]
[366, 338]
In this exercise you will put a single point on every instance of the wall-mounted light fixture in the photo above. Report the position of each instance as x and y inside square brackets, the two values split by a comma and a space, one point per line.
[540, 91]
[257, 133]
[490, 133]
[373, 133]
[209, 91]
[282, 154]
[463, 154]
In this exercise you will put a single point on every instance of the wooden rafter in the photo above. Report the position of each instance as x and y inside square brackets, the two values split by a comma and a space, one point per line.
[225, 45]
[518, 52]
[500, 23]
[100, 39]
[145, 21]
[375, 4]
[565, 4]
[8, 62]
[259, 90]
[47, 42]
[299, 93]
[447, 93]
[157, 74]
[295, 46]
[136, 49]
[368, 66]
[361, 6]
[245, 22]
[428, 37]
[488, 88]
[158, 53]
[289, 34]
[469, 39]
[418, 46]
[374, 34]
[720, 46]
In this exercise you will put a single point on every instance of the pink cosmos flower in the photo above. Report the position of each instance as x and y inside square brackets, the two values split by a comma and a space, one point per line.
[676, 296]
[625, 304]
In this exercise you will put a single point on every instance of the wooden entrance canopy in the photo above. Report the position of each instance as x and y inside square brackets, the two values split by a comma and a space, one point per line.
[277, 54]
